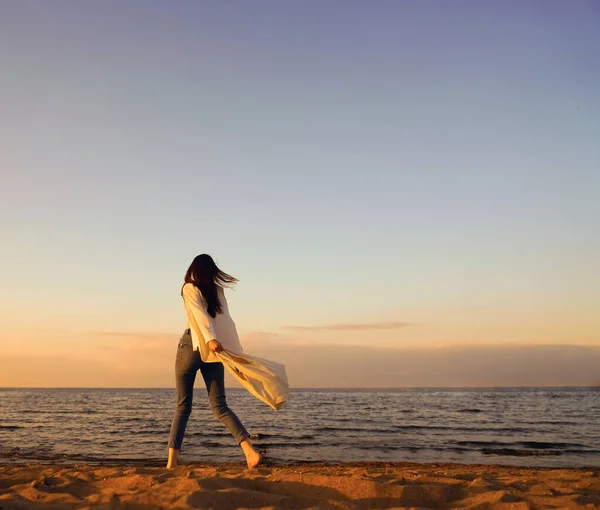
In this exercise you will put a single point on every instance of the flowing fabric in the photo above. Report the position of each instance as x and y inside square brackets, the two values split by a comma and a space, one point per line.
[265, 379]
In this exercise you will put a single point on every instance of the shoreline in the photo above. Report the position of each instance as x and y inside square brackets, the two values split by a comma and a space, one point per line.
[302, 485]
[158, 463]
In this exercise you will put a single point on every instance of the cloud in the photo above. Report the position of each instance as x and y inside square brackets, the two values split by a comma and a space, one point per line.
[126, 334]
[71, 332]
[147, 360]
[250, 339]
[151, 364]
[351, 326]
[252, 336]
[488, 366]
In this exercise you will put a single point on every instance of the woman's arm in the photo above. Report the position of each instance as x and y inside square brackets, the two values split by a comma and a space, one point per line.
[196, 306]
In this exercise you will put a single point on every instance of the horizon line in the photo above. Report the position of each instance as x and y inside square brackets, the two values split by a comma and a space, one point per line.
[325, 388]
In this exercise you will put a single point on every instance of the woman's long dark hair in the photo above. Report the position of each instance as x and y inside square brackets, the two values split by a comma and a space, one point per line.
[207, 277]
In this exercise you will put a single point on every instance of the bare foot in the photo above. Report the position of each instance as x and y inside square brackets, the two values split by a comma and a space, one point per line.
[253, 459]
[176, 463]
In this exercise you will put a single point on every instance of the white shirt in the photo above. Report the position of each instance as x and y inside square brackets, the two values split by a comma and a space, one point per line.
[221, 327]
[266, 380]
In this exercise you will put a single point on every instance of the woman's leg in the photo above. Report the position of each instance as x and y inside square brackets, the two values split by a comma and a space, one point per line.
[214, 378]
[186, 365]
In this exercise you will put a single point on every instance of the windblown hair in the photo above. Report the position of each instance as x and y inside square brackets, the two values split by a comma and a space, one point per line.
[207, 277]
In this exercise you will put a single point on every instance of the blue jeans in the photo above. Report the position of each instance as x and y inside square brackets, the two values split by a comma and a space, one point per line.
[187, 364]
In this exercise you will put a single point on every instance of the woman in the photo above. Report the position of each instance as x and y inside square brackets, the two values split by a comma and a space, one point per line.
[210, 329]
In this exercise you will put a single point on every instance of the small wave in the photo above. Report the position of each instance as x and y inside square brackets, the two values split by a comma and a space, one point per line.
[355, 430]
[424, 427]
[342, 429]
[287, 445]
[538, 445]
[215, 434]
[213, 444]
[512, 452]
[378, 447]
[144, 431]
[303, 437]
[589, 451]
[10, 427]
[549, 422]
[527, 445]
[469, 430]
[264, 446]
[469, 411]
[258, 437]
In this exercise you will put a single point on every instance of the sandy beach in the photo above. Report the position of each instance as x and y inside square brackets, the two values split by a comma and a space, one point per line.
[304, 486]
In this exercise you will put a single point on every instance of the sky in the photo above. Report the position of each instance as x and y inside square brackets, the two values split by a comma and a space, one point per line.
[393, 183]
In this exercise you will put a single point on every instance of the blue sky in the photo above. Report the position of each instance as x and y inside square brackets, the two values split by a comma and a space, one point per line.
[351, 162]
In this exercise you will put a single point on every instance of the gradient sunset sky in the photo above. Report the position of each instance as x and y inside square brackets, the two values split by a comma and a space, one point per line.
[386, 177]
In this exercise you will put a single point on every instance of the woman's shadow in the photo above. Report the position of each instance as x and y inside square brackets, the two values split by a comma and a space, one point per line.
[233, 493]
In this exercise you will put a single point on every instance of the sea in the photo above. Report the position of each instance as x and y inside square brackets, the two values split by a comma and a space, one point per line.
[542, 427]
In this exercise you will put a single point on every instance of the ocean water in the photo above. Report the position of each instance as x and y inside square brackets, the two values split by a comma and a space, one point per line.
[521, 426]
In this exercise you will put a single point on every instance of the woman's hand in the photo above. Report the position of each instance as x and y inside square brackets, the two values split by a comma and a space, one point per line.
[215, 346]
